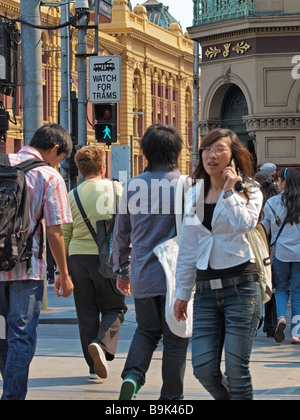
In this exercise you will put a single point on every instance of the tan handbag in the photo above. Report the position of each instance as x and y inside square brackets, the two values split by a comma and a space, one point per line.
[257, 239]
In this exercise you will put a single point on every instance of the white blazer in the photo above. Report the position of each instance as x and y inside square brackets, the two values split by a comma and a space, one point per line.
[288, 244]
[224, 246]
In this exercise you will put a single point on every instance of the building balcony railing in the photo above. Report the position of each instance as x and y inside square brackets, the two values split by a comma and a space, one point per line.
[211, 11]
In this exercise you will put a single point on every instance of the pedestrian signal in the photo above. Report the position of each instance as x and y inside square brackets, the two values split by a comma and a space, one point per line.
[106, 123]
[103, 132]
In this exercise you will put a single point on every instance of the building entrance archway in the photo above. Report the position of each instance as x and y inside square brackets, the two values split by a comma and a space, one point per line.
[234, 108]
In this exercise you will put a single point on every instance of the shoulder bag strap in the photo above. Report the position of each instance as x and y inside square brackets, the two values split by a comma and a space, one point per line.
[84, 216]
[280, 230]
[179, 197]
[115, 197]
[277, 218]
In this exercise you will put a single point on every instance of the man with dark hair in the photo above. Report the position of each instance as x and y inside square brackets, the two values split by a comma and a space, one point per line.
[145, 219]
[161, 145]
[21, 290]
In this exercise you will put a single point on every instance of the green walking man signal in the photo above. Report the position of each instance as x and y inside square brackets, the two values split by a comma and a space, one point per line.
[106, 123]
[104, 132]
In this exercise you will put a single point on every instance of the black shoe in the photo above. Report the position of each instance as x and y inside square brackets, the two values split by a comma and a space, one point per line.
[279, 333]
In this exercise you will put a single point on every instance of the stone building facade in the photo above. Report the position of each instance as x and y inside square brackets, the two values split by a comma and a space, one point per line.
[250, 73]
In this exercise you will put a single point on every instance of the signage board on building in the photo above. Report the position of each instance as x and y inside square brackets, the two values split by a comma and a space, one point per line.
[105, 79]
[105, 8]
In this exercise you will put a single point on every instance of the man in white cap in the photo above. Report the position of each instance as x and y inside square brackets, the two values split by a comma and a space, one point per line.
[268, 167]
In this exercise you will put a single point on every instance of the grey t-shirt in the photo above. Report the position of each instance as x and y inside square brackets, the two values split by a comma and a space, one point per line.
[145, 219]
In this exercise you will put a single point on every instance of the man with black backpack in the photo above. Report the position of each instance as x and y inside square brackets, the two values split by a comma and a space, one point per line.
[42, 200]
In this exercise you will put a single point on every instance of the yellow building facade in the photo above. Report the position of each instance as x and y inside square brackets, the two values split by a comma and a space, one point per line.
[156, 77]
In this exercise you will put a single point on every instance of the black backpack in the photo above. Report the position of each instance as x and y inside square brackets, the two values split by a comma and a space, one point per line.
[15, 233]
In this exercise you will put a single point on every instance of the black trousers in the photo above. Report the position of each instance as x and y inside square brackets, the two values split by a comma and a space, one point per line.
[270, 319]
[99, 305]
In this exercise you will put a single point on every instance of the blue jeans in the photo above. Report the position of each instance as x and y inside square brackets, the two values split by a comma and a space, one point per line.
[225, 318]
[20, 305]
[152, 326]
[287, 283]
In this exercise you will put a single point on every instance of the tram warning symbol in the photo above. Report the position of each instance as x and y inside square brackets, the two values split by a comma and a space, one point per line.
[107, 66]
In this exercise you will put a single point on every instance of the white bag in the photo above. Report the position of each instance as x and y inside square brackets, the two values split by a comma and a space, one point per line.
[167, 253]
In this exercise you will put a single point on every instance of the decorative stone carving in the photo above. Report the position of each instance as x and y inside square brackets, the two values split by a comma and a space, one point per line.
[226, 69]
[266, 123]
[239, 48]
[205, 126]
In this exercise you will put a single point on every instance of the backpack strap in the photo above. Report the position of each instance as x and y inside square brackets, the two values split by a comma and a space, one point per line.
[25, 166]
[28, 164]
[4, 160]
[30, 240]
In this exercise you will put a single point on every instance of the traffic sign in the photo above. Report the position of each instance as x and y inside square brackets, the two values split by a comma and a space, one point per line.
[105, 79]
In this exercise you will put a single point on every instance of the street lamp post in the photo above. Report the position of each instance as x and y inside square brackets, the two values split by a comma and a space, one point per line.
[31, 69]
[196, 105]
[82, 5]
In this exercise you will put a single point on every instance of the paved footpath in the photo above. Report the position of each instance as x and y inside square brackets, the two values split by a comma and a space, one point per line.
[59, 371]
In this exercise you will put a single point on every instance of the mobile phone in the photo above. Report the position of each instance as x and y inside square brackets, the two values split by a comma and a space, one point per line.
[230, 163]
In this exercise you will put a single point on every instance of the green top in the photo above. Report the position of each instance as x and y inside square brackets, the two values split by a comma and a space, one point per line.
[97, 199]
[211, 11]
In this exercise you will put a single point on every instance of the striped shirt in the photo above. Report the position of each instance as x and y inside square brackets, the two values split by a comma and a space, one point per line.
[46, 191]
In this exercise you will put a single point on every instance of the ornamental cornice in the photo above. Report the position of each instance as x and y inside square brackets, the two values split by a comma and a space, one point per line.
[250, 32]
[284, 122]
[13, 9]
[205, 126]
[168, 49]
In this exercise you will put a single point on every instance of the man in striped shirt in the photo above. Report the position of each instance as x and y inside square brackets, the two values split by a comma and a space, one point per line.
[21, 293]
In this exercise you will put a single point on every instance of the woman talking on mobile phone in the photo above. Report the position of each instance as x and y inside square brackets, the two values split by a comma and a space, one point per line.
[215, 252]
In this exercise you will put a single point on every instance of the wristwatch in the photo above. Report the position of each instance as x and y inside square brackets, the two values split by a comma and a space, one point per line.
[228, 193]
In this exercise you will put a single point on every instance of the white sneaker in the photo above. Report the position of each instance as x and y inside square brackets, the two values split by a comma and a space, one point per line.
[98, 356]
[93, 376]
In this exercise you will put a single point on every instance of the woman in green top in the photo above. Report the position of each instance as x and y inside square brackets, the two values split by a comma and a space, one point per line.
[99, 305]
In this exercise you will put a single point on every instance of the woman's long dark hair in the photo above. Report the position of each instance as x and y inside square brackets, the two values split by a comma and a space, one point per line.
[291, 194]
[241, 155]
